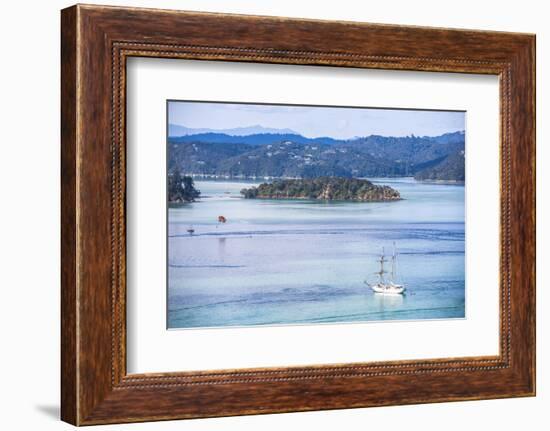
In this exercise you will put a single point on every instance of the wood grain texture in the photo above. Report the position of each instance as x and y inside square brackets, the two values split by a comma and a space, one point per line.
[96, 41]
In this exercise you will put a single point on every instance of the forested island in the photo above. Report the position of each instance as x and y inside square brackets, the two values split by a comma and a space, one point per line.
[323, 188]
[181, 189]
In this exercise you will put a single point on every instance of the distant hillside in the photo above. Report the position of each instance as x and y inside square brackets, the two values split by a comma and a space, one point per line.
[201, 158]
[290, 159]
[411, 149]
[451, 168]
[269, 155]
[323, 188]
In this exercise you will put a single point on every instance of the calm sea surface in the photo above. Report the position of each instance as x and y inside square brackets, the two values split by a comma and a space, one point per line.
[300, 262]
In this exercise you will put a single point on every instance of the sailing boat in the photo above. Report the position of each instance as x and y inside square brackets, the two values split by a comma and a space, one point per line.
[387, 287]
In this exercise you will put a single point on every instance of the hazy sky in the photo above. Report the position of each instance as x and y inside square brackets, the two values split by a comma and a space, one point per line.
[312, 122]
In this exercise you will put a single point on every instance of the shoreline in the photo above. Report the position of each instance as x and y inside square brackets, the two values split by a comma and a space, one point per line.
[443, 182]
[324, 200]
[227, 178]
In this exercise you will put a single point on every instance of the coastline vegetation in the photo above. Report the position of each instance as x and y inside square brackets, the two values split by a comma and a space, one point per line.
[323, 188]
[181, 189]
[450, 169]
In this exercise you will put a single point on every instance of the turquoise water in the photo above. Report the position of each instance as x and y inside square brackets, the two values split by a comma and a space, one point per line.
[300, 262]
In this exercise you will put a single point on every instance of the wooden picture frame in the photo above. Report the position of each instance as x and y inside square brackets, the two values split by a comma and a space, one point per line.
[95, 43]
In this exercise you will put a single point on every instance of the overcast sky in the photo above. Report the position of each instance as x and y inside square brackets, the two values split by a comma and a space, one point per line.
[341, 123]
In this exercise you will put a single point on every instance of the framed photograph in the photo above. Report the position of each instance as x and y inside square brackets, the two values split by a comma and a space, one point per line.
[264, 214]
[275, 223]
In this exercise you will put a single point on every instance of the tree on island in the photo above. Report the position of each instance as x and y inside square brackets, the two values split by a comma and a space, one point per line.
[181, 189]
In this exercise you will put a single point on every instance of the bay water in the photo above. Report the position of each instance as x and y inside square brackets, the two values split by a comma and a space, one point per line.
[279, 262]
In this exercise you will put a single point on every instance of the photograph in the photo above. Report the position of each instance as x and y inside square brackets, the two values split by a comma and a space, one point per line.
[300, 215]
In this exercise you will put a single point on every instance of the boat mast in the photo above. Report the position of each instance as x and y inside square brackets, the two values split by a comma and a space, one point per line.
[382, 272]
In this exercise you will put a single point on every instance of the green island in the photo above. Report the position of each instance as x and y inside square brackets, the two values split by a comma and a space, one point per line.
[181, 189]
[323, 188]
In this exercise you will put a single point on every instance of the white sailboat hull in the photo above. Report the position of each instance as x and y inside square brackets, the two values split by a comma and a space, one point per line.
[388, 289]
